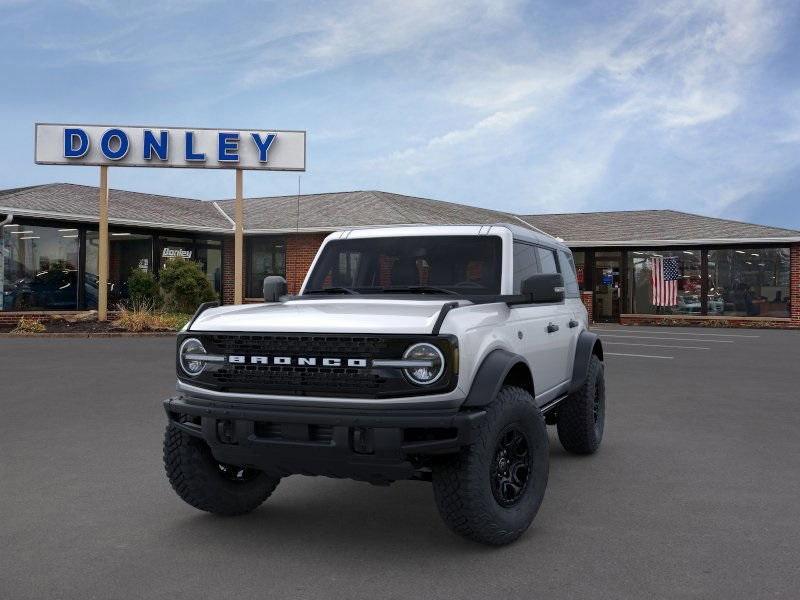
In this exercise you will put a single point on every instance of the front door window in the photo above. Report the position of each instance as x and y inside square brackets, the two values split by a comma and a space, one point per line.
[607, 286]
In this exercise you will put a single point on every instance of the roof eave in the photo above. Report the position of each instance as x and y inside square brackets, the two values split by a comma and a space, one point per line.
[683, 242]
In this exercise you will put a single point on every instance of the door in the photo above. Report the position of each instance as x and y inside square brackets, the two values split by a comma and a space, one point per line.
[544, 334]
[607, 286]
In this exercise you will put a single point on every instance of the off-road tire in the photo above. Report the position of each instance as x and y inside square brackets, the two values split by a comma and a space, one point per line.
[200, 481]
[462, 483]
[581, 417]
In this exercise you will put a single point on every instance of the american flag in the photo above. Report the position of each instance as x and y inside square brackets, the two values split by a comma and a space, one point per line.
[664, 279]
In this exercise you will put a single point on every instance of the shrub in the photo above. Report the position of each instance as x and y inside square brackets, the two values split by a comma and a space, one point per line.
[184, 286]
[143, 289]
[26, 325]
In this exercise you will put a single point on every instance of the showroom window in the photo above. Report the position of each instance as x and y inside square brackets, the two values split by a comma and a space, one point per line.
[265, 256]
[39, 267]
[665, 282]
[128, 252]
[579, 258]
[209, 255]
[748, 282]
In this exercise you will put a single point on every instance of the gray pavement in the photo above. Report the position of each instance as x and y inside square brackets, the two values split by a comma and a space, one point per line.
[694, 494]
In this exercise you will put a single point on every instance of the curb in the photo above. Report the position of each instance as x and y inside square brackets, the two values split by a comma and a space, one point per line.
[120, 334]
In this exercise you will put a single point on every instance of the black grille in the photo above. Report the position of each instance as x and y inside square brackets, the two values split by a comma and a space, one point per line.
[348, 382]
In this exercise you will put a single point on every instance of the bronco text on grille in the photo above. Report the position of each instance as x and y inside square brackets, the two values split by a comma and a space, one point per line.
[317, 365]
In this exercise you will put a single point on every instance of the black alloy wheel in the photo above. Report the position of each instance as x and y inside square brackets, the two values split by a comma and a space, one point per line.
[511, 466]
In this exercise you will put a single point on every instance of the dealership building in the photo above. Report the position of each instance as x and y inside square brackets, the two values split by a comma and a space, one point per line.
[726, 272]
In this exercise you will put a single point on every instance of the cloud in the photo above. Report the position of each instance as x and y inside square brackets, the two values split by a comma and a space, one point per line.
[465, 146]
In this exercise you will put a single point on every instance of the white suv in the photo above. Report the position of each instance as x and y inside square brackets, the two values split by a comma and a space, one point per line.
[429, 353]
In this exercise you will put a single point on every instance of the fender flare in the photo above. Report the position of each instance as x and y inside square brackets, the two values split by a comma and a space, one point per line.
[491, 375]
[588, 343]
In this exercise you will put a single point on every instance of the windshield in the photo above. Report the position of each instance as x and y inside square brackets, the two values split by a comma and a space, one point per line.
[468, 265]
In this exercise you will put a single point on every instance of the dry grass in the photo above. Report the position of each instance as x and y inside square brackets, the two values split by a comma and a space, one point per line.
[26, 325]
[142, 317]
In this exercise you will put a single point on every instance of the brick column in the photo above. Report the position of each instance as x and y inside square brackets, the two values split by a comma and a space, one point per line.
[587, 299]
[301, 248]
[794, 284]
[227, 271]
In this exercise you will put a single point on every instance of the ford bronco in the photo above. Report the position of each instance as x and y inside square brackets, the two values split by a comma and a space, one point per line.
[433, 353]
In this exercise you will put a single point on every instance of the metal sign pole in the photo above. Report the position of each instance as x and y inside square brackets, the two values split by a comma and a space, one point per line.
[238, 296]
[102, 257]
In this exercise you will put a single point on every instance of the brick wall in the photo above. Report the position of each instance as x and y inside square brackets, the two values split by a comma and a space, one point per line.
[586, 298]
[794, 284]
[228, 266]
[301, 248]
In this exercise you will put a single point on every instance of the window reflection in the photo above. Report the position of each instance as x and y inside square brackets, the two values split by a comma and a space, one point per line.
[128, 252]
[265, 256]
[39, 268]
[747, 282]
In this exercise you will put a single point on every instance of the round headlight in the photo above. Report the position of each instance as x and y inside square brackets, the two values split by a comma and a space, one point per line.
[431, 371]
[188, 353]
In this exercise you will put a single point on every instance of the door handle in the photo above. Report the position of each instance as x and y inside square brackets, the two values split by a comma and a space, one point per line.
[552, 328]
[573, 323]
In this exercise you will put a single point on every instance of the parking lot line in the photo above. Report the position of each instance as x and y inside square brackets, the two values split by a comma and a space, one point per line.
[656, 345]
[637, 355]
[736, 335]
[651, 337]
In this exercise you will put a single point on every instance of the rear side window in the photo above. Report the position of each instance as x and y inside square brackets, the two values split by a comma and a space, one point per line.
[547, 260]
[570, 275]
[525, 264]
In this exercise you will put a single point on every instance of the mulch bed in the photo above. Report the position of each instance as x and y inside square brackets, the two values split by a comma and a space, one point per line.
[83, 328]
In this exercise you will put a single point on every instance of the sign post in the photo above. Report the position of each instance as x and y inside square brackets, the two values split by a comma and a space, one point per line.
[175, 147]
[238, 241]
[103, 253]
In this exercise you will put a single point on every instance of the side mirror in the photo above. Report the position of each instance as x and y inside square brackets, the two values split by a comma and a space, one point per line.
[544, 288]
[274, 287]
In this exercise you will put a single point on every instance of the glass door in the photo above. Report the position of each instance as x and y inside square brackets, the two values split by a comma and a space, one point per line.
[607, 279]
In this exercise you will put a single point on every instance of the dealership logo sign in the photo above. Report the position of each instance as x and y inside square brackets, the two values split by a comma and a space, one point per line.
[170, 147]
[176, 253]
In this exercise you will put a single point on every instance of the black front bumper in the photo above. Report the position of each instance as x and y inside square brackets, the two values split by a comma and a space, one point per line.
[377, 445]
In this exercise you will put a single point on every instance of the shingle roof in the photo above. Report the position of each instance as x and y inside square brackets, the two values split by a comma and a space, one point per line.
[80, 202]
[356, 209]
[649, 225]
[328, 212]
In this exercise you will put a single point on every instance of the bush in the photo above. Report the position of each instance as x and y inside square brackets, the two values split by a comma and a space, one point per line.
[184, 286]
[26, 325]
[143, 289]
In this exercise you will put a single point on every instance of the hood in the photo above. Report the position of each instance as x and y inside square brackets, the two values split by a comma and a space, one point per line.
[330, 315]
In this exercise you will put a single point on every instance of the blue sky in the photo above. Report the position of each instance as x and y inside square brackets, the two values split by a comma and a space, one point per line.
[521, 106]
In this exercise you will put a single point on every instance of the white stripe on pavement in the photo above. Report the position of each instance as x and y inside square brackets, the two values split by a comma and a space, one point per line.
[656, 345]
[650, 337]
[736, 335]
[636, 355]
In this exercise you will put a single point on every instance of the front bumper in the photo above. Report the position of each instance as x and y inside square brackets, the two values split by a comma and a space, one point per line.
[376, 445]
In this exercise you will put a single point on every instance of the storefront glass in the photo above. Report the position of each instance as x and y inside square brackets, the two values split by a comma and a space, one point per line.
[39, 268]
[607, 285]
[209, 255]
[579, 257]
[127, 252]
[747, 282]
[665, 282]
[265, 256]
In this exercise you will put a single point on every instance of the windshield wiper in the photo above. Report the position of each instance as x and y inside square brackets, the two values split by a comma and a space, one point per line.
[419, 289]
[331, 290]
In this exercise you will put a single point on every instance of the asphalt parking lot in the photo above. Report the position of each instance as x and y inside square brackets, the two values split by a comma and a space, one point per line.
[694, 493]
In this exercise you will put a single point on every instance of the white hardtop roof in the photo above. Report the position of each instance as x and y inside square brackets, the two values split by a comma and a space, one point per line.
[524, 234]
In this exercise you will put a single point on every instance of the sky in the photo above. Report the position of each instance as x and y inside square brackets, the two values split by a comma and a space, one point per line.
[527, 107]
